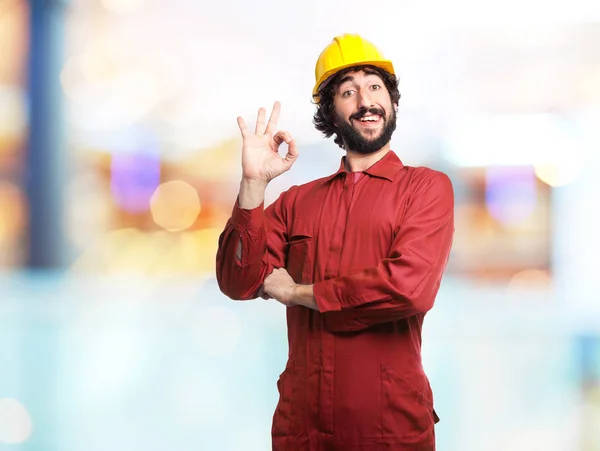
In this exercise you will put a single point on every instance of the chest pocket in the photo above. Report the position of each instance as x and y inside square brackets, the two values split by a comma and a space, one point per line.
[299, 259]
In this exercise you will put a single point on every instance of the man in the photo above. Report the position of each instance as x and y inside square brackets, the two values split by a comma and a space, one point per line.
[357, 258]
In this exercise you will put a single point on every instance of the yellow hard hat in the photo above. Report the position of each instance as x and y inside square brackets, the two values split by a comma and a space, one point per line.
[346, 51]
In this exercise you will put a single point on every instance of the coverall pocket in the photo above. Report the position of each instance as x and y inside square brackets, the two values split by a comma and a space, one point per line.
[299, 258]
[283, 416]
[407, 413]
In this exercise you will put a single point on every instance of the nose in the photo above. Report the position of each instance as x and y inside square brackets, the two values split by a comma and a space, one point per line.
[364, 99]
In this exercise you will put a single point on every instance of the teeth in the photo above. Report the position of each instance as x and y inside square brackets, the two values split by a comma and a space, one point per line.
[369, 118]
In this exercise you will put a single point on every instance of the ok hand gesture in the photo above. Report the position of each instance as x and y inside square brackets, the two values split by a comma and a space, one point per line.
[260, 150]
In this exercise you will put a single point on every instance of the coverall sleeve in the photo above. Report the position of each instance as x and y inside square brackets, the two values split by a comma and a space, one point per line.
[263, 236]
[407, 281]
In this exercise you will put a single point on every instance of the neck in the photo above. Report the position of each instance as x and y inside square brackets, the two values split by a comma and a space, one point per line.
[358, 162]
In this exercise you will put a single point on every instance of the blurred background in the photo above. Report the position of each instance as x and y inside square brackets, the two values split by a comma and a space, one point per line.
[120, 163]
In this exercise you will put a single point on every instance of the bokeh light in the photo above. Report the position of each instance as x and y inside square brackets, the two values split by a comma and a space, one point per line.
[14, 16]
[16, 425]
[198, 250]
[175, 205]
[510, 193]
[156, 253]
[12, 211]
[557, 175]
[134, 178]
[535, 285]
[531, 278]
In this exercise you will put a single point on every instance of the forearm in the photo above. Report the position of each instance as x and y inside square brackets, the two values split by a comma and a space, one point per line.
[304, 295]
[405, 285]
[251, 196]
[388, 302]
[252, 193]
[242, 246]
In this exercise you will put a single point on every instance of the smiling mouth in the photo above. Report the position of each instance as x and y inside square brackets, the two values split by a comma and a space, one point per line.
[369, 119]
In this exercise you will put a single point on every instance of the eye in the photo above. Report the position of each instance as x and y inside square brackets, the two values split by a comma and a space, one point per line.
[347, 93]
[375, 87]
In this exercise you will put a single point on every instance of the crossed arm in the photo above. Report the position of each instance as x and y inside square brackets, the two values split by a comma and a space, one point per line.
[403, 284]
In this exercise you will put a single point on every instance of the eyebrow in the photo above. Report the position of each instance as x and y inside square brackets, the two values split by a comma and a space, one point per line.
[351, 78]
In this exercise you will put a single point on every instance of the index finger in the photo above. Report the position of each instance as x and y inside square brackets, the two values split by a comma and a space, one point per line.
[272, 125]
[242, 126]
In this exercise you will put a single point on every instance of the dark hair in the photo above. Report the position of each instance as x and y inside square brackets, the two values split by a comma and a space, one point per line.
[325, 113]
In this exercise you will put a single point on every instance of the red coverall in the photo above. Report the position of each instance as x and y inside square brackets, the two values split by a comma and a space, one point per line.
[375, 245]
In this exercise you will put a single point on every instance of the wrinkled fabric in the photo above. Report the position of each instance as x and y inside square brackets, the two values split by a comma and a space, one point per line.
[375, 246]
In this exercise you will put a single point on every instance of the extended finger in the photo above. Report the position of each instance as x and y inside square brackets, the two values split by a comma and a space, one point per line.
[272, 125]
[243, 127]
[260, 122]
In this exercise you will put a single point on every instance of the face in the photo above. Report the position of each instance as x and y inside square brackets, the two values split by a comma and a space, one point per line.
[364, 115]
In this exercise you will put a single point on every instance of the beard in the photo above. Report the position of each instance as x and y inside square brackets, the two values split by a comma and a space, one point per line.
[354, 140]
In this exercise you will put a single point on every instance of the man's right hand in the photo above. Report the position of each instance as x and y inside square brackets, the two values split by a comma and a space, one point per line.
[261, 161]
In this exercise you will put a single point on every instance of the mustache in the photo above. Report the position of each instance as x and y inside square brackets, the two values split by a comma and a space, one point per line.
[363, 111]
